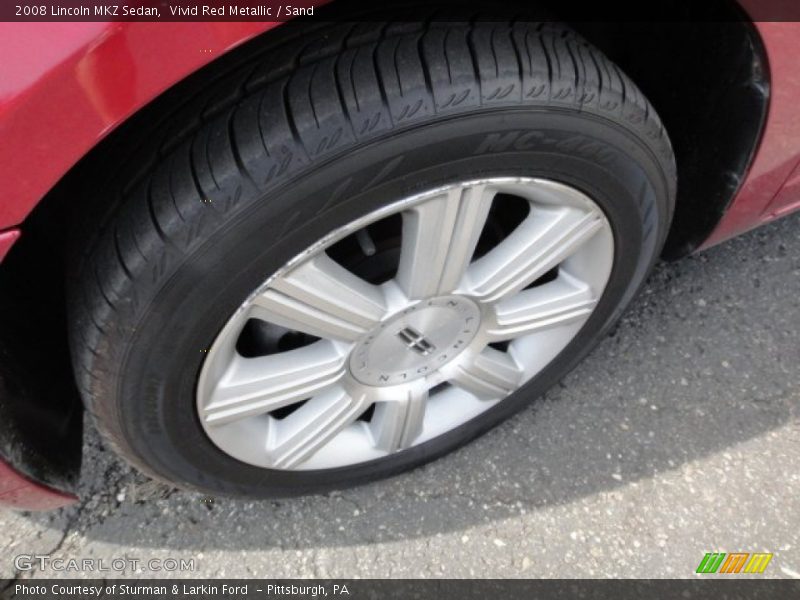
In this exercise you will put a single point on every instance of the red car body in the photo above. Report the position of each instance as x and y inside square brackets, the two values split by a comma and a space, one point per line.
[85, 79]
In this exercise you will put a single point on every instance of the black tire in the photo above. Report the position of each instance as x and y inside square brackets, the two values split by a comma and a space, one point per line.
[364, 117]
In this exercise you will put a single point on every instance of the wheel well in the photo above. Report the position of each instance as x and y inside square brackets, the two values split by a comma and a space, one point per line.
[714, 119]
[709, 83]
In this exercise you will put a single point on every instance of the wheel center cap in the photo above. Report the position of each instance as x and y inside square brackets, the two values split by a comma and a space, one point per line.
[416, 341]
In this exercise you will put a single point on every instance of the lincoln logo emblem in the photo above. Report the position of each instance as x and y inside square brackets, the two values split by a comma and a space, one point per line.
[414, 340]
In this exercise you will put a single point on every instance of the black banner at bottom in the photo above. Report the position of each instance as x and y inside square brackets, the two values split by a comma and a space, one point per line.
[456, 589]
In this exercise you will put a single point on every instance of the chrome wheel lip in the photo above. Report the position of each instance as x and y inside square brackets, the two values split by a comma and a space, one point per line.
[526, 355]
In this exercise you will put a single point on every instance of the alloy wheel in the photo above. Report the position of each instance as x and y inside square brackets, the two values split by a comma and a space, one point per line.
[359, 369]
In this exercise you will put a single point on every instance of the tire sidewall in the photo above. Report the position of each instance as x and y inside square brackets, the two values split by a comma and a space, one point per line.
[164, 344]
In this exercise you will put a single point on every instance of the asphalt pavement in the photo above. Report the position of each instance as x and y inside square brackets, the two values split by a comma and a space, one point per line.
[679, 435]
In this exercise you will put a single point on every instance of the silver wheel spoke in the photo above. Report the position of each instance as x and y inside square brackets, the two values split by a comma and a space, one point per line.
[397, 423]
[296, 438]
[254, 386]
[559, 302]
[321, 298]
[439, 239]
[541, 242]
[489, 375]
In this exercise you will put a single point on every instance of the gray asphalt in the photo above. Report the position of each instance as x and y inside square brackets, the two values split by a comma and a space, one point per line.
[679, 435]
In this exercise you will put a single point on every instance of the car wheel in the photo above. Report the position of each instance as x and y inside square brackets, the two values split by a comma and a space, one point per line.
[358, 265]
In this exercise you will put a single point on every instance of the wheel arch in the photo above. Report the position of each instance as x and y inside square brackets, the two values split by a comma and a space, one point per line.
[104, 115]
[86, 81]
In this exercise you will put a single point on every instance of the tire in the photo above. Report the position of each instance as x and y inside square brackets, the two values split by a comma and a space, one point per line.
[211, 210]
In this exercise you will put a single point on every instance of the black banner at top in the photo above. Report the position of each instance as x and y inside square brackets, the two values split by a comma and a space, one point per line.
[407, 10]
